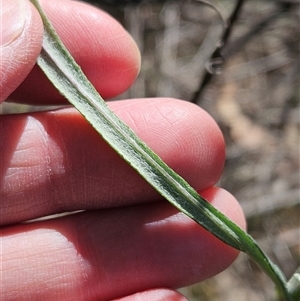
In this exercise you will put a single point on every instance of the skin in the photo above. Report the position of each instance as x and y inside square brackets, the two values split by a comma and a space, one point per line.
[128, 243]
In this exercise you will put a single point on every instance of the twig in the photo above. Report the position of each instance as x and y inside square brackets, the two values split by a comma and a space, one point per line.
[224, 52]
[216, 60]
[233, 48]
[213, 6]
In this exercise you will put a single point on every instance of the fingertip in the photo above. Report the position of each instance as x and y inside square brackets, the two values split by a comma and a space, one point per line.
[219, 256]
[19, 55]
[185, 136]
[154, 295]
[226, 203]
[103, 49]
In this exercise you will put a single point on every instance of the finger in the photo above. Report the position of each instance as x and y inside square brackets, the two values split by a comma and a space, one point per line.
[108, 254]
[155, 295]
[55, 162]
[99, 44]
[21, 40]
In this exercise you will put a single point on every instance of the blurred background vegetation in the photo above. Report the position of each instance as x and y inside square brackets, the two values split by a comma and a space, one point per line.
[252, 92]
[250, 85]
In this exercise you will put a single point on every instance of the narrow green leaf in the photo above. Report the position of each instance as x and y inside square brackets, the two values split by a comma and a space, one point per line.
[67, 77]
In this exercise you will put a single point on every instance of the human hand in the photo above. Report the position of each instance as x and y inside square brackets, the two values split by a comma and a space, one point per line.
[128, 243]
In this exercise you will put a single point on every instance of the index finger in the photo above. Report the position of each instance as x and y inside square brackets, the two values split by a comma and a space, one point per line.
[100, 45]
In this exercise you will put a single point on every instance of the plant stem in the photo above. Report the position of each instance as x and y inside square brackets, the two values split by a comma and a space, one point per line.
[217, 57]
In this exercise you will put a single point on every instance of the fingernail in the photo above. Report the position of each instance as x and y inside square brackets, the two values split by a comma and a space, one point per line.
[13, 18]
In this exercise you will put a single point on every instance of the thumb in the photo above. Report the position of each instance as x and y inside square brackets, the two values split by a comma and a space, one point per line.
[21, 33]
